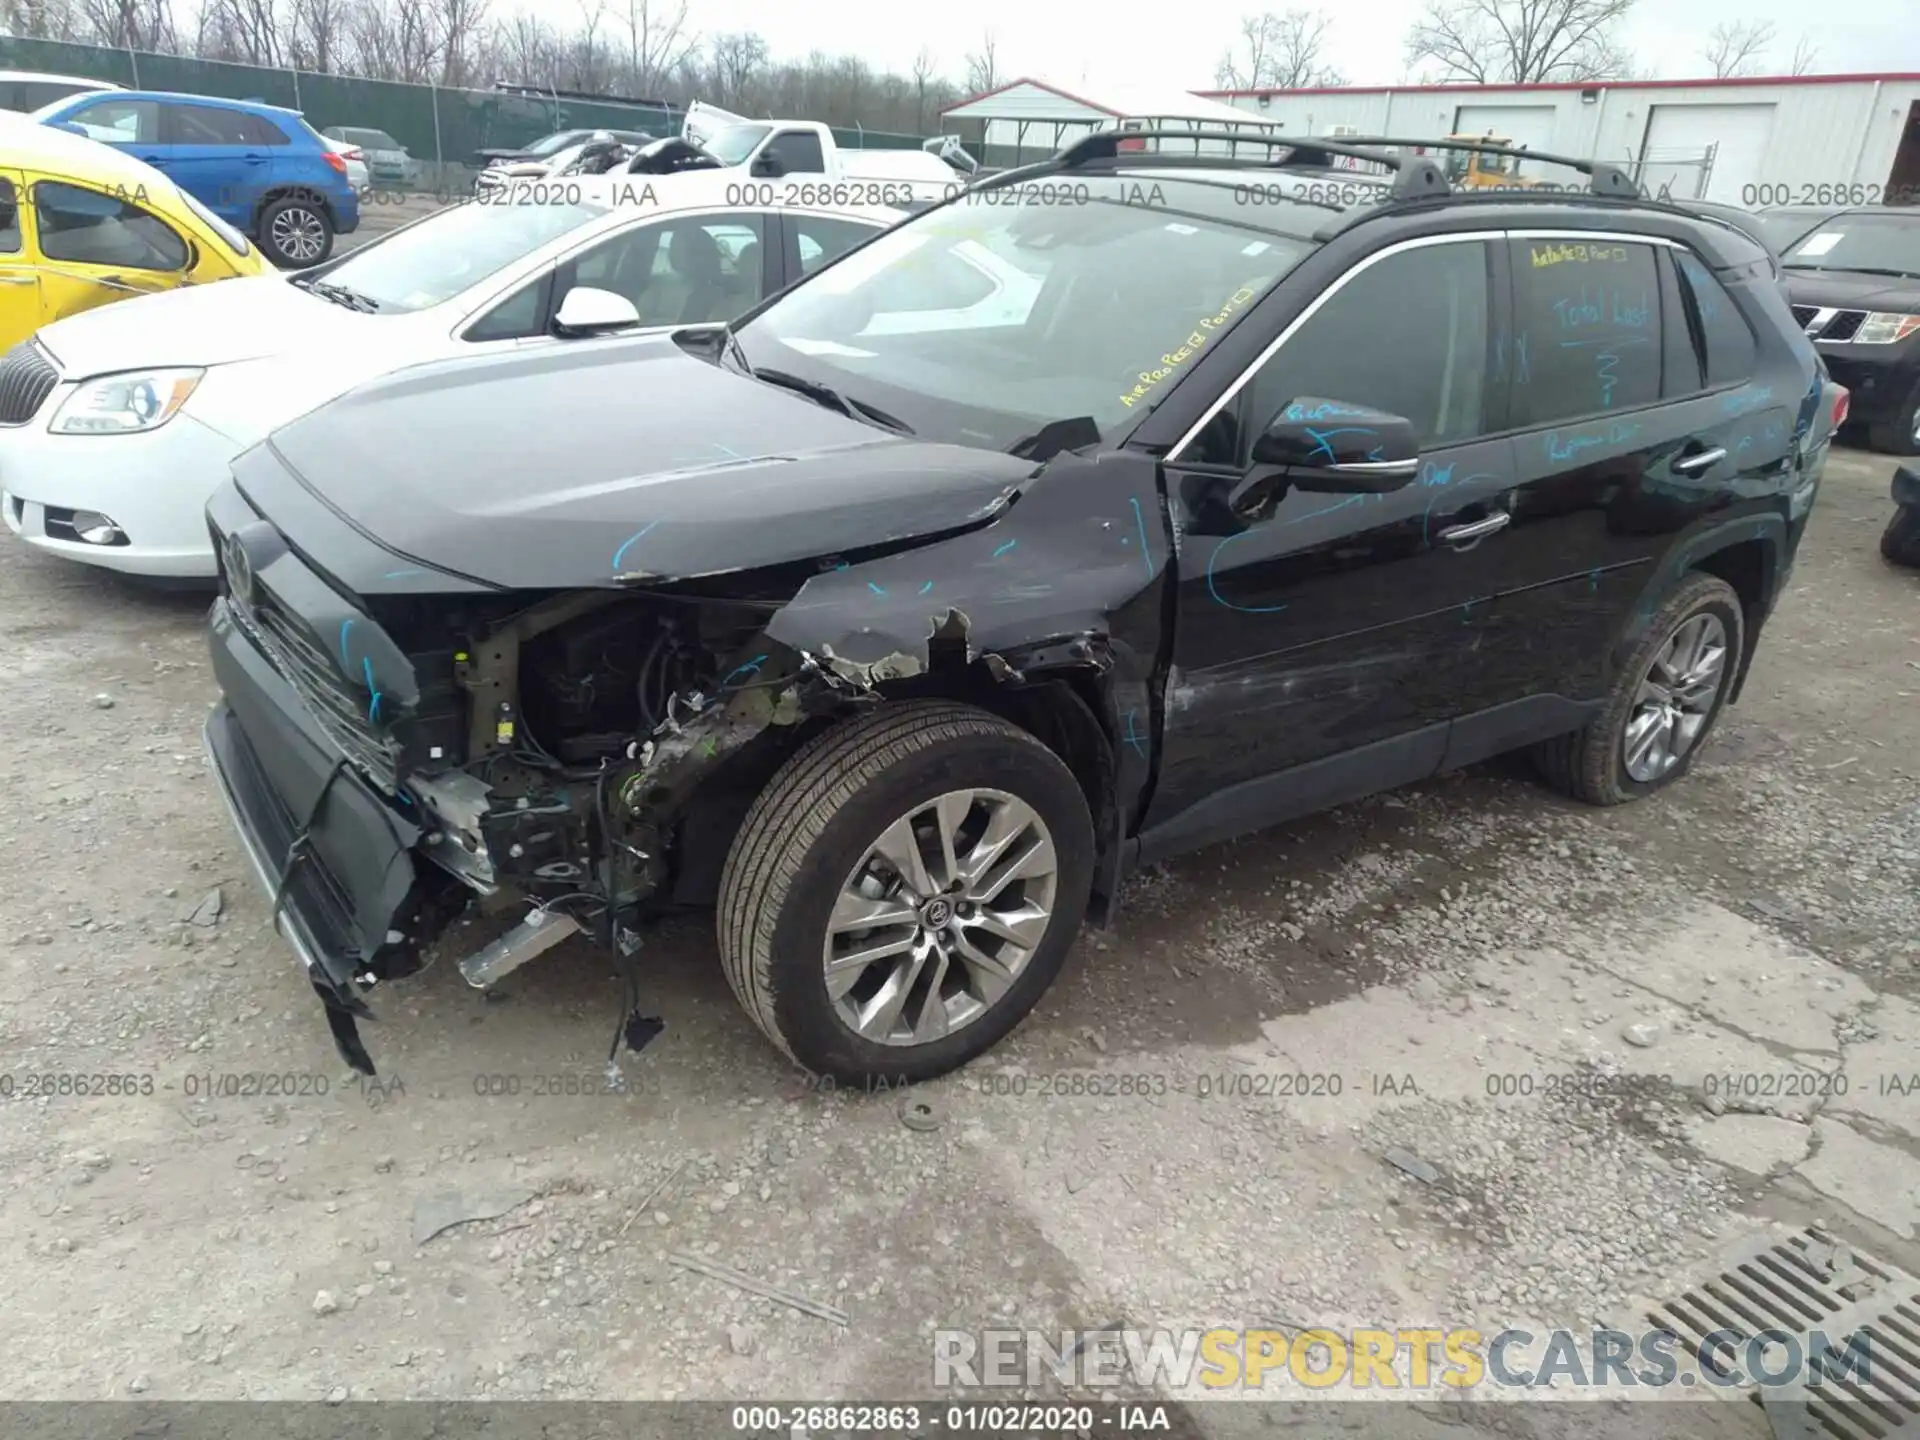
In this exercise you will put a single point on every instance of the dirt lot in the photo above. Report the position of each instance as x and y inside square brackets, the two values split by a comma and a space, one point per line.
[1443, 953]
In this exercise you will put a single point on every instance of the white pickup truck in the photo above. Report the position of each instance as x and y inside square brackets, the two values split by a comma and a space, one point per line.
[773, 149]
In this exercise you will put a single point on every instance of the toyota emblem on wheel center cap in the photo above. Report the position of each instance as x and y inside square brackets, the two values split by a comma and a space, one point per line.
[937, 913]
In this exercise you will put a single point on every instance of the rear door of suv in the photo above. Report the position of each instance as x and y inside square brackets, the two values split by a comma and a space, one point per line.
[1640, 410]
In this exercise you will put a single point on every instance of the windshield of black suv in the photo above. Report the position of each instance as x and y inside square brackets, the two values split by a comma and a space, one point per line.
[982, 321]
[434, 259]
[1876, 244]
[735, 143]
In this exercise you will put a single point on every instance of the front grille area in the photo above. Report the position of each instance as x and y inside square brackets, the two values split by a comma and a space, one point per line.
[1844, 325]
[1803, 315]
[27, 377]
[339, 709]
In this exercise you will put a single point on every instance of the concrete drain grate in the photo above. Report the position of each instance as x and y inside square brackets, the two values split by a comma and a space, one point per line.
[1785, 1304]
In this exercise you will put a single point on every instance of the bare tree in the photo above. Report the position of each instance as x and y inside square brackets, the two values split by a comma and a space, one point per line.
[656, 42]
[923, 69]
[1806, 55]
[319, 34]
[739, 62]
[1520, 41]
[1734, 47]
[983, 66]
[129, 24]
[1278, 52]
[461, 27]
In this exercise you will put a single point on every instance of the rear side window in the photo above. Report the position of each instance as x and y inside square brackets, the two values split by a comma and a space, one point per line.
[32, 94]
[1720, 330]
[9, 219]
[1587, 328]
[820, 239]
[259, 130]
[205, 125]
[85, 227]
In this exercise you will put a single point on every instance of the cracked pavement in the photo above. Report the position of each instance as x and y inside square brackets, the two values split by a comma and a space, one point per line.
[1615, 1043]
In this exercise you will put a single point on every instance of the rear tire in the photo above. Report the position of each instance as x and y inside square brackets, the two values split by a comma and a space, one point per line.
[810, 852]
[295, 233]
[1595, 763]
[1900, 541]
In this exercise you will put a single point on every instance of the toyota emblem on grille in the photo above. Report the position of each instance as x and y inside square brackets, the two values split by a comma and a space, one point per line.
[239, 571]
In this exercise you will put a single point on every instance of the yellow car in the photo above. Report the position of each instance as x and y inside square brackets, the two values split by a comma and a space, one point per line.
[83, 225]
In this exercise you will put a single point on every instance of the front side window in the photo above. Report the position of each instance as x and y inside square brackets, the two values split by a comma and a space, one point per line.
[229, 236]
[1408, 335]
[1871, 244]
[1586, 328]
[120, 122]
[85, 227]
[685, 272]
[435, 259]
[1105, 306]
[9, 219]
[798, 152]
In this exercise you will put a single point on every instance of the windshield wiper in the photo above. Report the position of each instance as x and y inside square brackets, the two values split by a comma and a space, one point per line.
[879, 416]
[340, 295]
[831, 398]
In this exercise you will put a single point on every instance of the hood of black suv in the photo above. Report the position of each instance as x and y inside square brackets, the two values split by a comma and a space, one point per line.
[1851, 290]
[592, 462]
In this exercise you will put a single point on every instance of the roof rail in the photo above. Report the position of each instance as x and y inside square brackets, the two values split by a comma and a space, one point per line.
[1414, 177]
[1603, 178]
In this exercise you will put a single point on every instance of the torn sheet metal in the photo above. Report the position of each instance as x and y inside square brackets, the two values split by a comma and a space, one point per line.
[1070, 577]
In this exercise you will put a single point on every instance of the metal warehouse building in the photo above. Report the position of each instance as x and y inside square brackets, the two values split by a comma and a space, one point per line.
[1754, 142]
[1761, 141]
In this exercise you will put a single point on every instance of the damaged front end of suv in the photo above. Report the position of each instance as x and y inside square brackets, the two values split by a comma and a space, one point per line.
[450, 685]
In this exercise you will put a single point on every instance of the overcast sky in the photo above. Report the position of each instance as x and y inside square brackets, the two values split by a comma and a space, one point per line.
[1075, 44]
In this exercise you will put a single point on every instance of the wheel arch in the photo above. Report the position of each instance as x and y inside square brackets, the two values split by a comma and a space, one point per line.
[1748, 553]
[294, 190]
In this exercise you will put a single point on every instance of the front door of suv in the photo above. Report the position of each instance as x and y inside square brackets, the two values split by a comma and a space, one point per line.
[1341, 629]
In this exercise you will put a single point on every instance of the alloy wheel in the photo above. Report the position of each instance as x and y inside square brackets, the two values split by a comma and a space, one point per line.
[299, 234]
[1676, 698]
[940, 917]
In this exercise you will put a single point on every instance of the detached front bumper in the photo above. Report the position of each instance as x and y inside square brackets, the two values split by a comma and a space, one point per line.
[331, 853]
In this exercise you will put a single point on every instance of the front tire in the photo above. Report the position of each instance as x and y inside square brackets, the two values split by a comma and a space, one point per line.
[904, 890]
[1662, 706]
[1900, 542]
[1901, 435]
[295, 233]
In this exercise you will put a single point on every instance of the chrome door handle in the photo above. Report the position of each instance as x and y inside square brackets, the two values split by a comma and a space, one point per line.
[1700, 461]
[18, 280]
[1478, 530]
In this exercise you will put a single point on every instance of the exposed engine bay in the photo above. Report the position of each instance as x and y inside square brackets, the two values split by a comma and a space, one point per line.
[555, 752]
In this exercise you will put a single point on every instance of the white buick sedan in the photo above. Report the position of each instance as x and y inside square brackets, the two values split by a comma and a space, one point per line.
[117, 425]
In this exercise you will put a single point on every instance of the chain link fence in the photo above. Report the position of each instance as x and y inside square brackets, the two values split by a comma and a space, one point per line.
[441, 128]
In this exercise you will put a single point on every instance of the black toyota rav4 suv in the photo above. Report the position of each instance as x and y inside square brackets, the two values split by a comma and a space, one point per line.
[1119, 506]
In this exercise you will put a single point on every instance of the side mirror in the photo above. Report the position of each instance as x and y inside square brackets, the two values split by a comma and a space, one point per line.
[1328, 447]
[767, 164]
[589, 311]
[72, 127]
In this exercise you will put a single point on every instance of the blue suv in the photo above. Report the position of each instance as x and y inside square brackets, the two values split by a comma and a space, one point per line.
[260, 168]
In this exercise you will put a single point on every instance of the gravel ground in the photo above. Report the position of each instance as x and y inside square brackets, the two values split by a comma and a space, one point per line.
[1436, 959]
